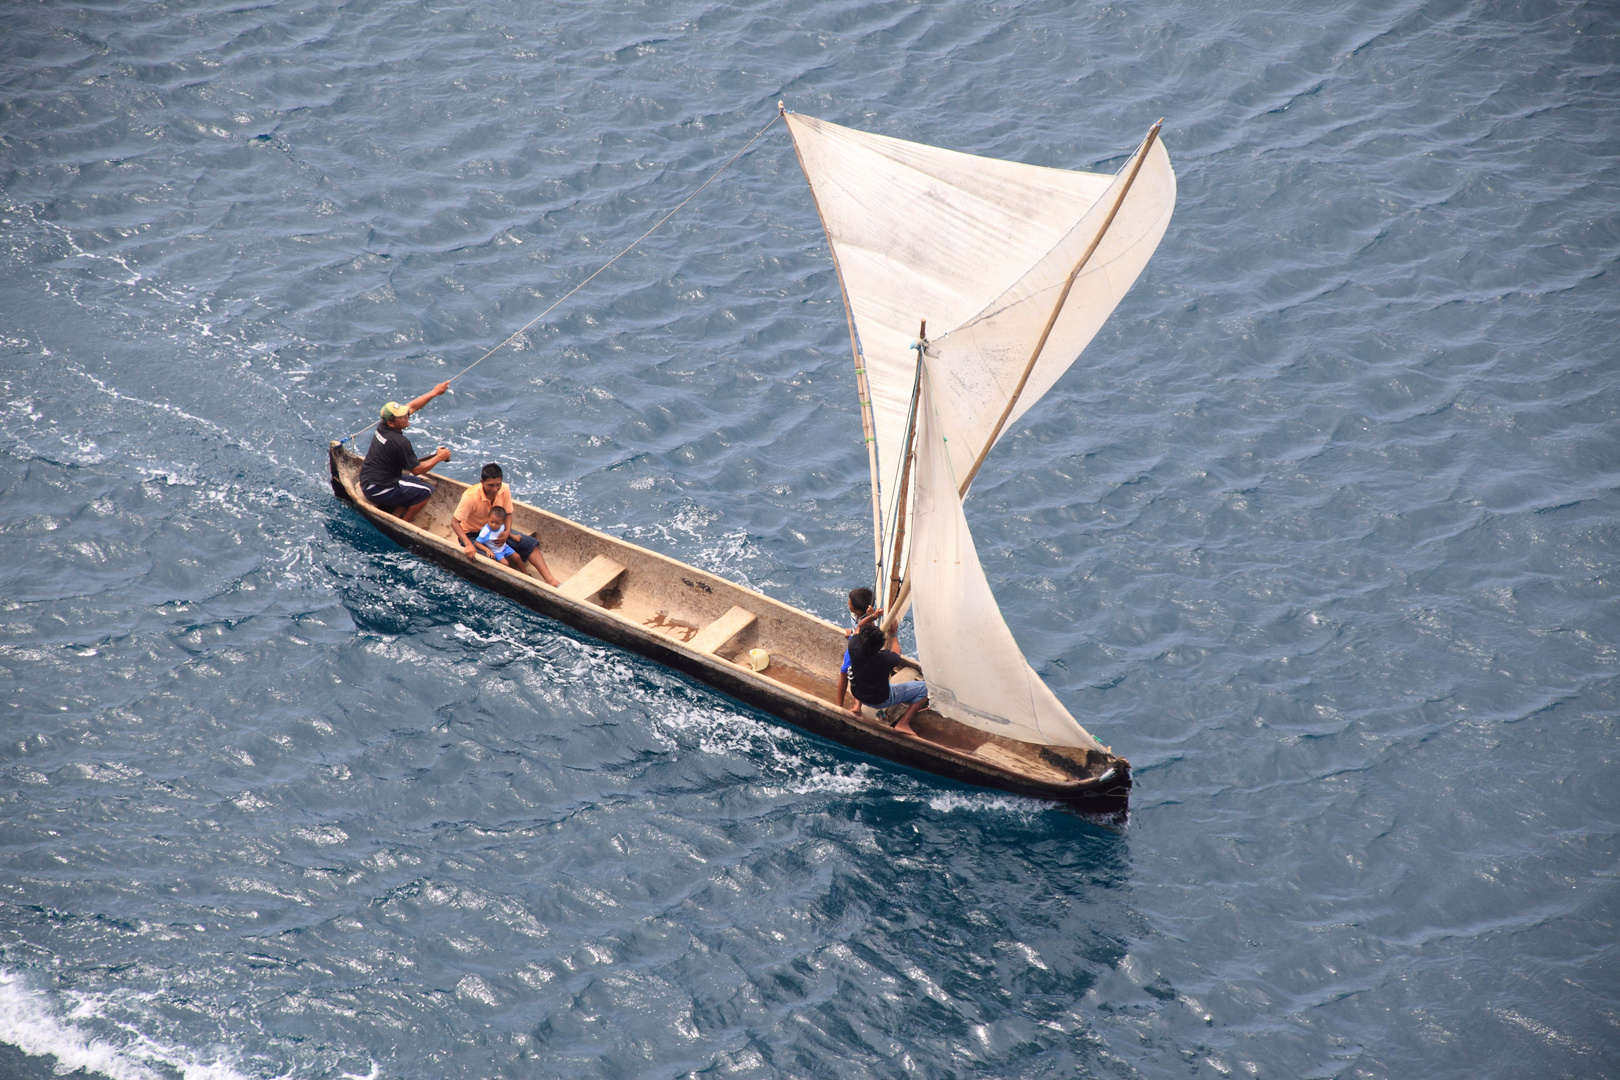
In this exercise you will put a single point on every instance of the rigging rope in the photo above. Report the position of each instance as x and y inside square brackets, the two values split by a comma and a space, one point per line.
[524, 329]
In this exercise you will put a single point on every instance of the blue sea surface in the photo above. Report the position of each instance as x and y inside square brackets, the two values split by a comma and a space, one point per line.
[1322, 533]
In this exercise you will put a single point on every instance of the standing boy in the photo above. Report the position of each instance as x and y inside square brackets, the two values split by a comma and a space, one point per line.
[862, 611]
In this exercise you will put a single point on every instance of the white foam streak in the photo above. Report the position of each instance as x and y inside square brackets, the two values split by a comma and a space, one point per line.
[980, 802]
[29, 1022]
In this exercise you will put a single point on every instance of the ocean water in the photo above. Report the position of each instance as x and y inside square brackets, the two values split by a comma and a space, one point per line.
[1323, 533]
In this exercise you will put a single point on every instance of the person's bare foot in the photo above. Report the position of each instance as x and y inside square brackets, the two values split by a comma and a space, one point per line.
[542, 574]
[903, 725]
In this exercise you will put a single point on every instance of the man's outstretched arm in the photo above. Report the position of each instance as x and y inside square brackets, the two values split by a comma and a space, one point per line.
[417, 404]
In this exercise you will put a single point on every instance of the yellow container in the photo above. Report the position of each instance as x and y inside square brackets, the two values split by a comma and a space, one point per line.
[759, 658]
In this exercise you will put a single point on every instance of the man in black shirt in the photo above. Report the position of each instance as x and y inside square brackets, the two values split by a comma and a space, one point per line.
[388, 477]
[870, 665]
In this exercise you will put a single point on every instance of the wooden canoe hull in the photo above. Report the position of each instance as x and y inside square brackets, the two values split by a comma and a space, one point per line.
[658, 604]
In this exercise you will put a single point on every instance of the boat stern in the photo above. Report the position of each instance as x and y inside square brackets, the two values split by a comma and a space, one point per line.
[334, 457]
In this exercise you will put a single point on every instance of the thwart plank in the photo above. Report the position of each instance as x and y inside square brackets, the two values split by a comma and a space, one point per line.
[591, 578]
[715, 636]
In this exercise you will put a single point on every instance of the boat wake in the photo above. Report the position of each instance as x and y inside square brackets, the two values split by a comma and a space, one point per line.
[981, 802]
[30, 1021]
[784, 769]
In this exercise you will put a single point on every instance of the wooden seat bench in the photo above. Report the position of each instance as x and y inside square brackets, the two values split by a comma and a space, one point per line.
[591, 579]
[719, 633]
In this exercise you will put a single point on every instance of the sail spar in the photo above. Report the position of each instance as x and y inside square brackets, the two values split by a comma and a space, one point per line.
[982, 249]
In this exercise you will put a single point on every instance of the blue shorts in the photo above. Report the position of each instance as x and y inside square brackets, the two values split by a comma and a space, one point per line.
[523, 545]
[406, 491]
[904, 693]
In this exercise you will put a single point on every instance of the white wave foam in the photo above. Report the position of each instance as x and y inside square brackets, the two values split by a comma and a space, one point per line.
[947, 801]
[30, 1022]
[779, 752]
[786, 762]
[841, 781]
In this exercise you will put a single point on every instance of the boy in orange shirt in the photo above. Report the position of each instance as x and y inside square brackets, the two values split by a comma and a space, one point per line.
[472, 514]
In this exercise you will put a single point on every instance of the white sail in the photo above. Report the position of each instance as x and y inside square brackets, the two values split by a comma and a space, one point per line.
[980, 248]
[981, 361]
[975, 671]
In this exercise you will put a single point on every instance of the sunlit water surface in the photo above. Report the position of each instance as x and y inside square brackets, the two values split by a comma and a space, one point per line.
[1320, 533]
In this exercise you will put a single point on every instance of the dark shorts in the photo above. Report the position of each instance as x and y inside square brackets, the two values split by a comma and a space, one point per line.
[406, 491]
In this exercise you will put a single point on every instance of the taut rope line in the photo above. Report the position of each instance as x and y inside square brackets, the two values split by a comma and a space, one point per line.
[525, 327]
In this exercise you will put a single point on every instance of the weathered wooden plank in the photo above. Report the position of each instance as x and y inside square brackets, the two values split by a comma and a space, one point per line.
[714, 637]
[591, 578]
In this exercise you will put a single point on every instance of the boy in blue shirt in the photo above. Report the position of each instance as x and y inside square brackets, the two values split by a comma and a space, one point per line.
[492, 539]
[867, 665]
[870, 666]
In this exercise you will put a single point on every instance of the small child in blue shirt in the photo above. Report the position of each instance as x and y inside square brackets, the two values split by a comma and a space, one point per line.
[493, 536]
[870, 682]
[860, 607]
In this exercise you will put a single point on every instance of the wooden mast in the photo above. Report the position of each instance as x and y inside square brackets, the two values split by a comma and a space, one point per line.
[905, 471]
[897, 608]
[862, 390]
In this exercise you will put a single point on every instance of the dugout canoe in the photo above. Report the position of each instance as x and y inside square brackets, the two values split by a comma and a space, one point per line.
[705, 626]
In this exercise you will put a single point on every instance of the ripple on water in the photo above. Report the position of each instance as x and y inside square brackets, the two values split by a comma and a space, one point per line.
[1318, 533]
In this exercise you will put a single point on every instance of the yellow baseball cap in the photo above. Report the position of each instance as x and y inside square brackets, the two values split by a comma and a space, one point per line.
[394, 410]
